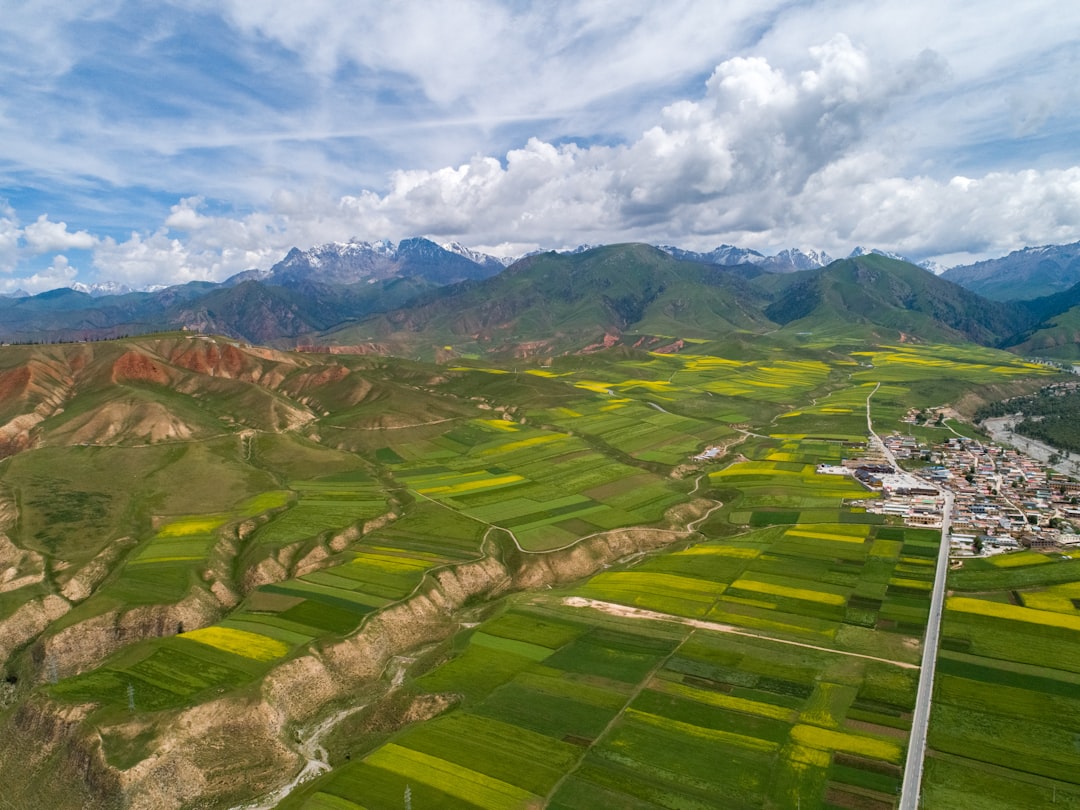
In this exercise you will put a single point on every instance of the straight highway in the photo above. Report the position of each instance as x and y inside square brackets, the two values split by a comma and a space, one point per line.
[913, 767]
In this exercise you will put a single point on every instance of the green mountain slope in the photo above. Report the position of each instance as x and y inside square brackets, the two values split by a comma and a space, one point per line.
[876, 292]
[548, 304]
[566, 301]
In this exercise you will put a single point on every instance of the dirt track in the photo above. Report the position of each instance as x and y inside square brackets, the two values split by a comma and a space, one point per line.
[623, 611]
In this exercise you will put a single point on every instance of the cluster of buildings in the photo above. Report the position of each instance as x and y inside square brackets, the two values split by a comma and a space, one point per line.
[1004, 500]
[903, 495]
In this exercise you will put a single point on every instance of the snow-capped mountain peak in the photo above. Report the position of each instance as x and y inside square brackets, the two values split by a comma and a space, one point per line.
[724, 255]
[101, 288]
[794, 259]
[482, 259]
[861, 251]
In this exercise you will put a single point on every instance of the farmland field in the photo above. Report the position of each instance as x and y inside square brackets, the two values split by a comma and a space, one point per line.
[1008, 675]
[754, 643]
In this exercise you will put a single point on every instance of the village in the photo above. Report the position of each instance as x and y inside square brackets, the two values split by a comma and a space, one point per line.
[1004, 500]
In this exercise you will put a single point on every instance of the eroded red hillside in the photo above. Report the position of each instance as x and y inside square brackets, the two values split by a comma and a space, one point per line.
[136, 366]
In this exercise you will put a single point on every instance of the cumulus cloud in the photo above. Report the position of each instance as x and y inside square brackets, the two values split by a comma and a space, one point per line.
[9, 237]
[58, 274]
[994, 214]
[783, 145]
[756, 135]
[764, 157]
[160, 258]
[45, 236]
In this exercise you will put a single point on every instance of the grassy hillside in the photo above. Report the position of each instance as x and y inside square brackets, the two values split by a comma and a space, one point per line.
[560, 302]
[881, 293]
[549, 304]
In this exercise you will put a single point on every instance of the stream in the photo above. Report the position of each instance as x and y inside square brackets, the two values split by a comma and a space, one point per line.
[311, 748]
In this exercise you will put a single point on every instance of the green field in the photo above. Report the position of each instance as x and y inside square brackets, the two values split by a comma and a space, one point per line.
[762, 653]
[1008, 675]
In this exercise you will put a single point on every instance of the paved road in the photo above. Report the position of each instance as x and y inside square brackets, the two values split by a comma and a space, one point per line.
[913, 767]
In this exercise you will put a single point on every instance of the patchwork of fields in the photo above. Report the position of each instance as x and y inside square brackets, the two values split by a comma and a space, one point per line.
[771, 668]
[768, 658]
[1007, 696]
[571, 710]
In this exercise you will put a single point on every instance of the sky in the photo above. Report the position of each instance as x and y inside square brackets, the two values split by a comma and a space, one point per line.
[163, 142]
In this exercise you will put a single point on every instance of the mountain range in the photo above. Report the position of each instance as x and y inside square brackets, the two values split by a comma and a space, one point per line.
[1023, 274]
[418, 298]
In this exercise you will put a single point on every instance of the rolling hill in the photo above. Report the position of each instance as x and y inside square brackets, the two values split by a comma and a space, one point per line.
[419, 299]
[879, 292]
[556, 302]
[218, 560]
[551, 303]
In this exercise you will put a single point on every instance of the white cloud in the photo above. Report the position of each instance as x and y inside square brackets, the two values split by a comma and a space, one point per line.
[498, 59]
[986, 216]
[764, 157]
[44, 236]
[765, 123]
[9, 237]
[159, 258]
[59, 274]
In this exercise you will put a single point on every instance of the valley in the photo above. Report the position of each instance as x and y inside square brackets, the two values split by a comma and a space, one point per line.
[498, 577]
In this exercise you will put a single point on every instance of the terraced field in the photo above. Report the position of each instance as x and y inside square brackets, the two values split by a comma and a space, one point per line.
[440, 541]
[546, 487]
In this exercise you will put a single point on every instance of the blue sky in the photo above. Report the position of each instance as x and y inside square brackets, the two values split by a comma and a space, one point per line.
[162, 142]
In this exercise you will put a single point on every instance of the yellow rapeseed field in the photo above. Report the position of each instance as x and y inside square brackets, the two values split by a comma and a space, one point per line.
[886, 549]
[595, 386]
[788, 592]
[1000, 610]
[719, 699]
[818, 535]
[916, 584]
[651, 385]
[500, 424]
[708, 735]
[830, 740]
[194, 525]
[471, 486]
[1018, 560]
[390, 563]
[740, 552]
[468, 785]
[239, 642]
[1058, 598]
[543, 438]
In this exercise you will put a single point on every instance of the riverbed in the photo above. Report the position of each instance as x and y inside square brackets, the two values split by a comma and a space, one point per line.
[1000, 430]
